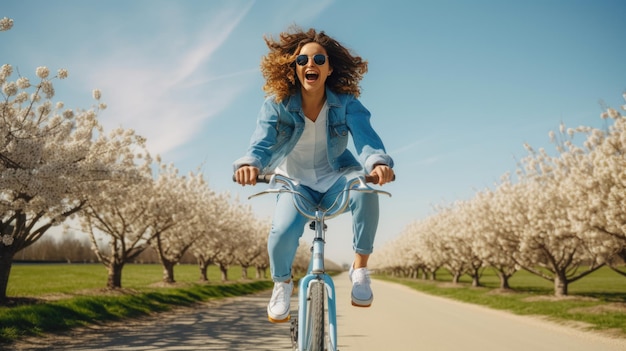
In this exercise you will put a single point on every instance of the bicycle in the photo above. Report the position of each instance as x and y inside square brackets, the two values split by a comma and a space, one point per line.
[312, 329]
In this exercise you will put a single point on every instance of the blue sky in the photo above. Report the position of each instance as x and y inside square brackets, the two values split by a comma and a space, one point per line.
[455, 87]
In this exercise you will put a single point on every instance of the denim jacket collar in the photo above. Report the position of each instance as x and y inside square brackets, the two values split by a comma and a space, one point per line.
[294, 103]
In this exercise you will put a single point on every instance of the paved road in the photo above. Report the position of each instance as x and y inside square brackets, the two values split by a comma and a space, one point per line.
[400, 319]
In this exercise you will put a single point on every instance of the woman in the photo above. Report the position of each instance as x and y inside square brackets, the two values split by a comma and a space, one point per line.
[303, 128]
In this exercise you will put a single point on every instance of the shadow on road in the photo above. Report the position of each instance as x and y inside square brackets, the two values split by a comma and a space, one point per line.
[234, 324]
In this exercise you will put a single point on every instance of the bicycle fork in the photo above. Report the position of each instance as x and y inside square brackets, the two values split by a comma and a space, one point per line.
[307, 283]
[316, 275]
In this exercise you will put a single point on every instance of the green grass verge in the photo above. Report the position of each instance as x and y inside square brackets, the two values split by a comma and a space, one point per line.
[598, 301]
[41, 279]
[61, 297]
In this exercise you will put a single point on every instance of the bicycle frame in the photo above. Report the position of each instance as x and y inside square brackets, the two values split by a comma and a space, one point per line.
[316, 273]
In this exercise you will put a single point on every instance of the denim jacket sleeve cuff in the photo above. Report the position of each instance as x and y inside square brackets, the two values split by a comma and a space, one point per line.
[246, 160]
[376, 159]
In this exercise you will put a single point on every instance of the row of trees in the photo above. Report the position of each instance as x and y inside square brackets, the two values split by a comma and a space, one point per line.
[57, 164]
[173, 215]
[562, 218]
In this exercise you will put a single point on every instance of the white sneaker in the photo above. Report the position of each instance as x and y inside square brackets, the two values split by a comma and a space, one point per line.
[362, 295]
[278, 308]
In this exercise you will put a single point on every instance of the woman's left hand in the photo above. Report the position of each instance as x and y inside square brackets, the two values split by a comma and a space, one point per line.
[384, 173]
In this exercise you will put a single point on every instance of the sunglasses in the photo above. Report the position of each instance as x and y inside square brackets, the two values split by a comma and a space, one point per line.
[319, 59]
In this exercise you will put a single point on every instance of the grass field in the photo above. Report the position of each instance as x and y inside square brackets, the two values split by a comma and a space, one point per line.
[57, 297]
[595, 302]
[41, 279]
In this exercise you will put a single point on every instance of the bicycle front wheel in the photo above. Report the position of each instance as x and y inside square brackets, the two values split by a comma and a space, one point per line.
[316, 317]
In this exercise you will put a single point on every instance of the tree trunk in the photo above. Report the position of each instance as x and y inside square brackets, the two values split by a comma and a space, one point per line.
[504, 281]
[224, 271]
[560, 284]
[244, 272]
[433, 275]
[475, 277]
[114, 280]
[168, 271]
[6, 261]
[476, 281]
[203, 270]
[455, 278]
[261, 273]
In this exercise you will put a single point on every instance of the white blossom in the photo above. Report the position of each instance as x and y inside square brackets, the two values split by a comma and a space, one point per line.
[613, 113]
[10, 88]
[68, 114]
[47, 88]
[6, 24]
[42, 72]
[5, 71]
[97, 94]
[23, 83]
[21, 97]
[44, 109]
[62, 73]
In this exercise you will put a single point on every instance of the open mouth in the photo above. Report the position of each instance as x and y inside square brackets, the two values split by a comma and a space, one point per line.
[311, 76]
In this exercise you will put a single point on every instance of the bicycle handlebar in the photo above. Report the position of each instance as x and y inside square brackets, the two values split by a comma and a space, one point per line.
[266, 178]
[356, 184]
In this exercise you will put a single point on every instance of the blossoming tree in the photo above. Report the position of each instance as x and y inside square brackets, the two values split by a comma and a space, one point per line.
[52, 160]
[219, 236]
[181, 207]
[599, 186]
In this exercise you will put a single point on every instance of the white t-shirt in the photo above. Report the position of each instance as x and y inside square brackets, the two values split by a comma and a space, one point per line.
[308, 162]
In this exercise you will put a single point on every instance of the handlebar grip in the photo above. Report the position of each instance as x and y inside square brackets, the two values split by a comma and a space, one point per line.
[374, 178]
[261, 178]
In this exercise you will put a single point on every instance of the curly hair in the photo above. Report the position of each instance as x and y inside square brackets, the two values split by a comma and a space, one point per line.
[278, 66]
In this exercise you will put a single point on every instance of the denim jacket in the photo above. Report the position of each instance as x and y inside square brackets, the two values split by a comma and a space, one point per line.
[280, 125]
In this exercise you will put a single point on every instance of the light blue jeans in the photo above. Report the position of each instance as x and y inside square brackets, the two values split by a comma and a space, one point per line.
[288, 225]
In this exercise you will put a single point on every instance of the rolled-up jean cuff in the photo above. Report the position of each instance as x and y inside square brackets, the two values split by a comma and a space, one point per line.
[281, 279]
[363, 252]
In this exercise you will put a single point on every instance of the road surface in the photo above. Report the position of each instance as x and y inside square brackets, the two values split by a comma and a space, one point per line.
[400, 319]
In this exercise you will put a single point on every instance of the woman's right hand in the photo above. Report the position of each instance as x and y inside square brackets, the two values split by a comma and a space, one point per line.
[245, 175]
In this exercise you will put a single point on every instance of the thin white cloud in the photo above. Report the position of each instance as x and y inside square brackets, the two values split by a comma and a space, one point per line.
[407, 147]
[162, 91]
[300, 12]
[429, 160]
